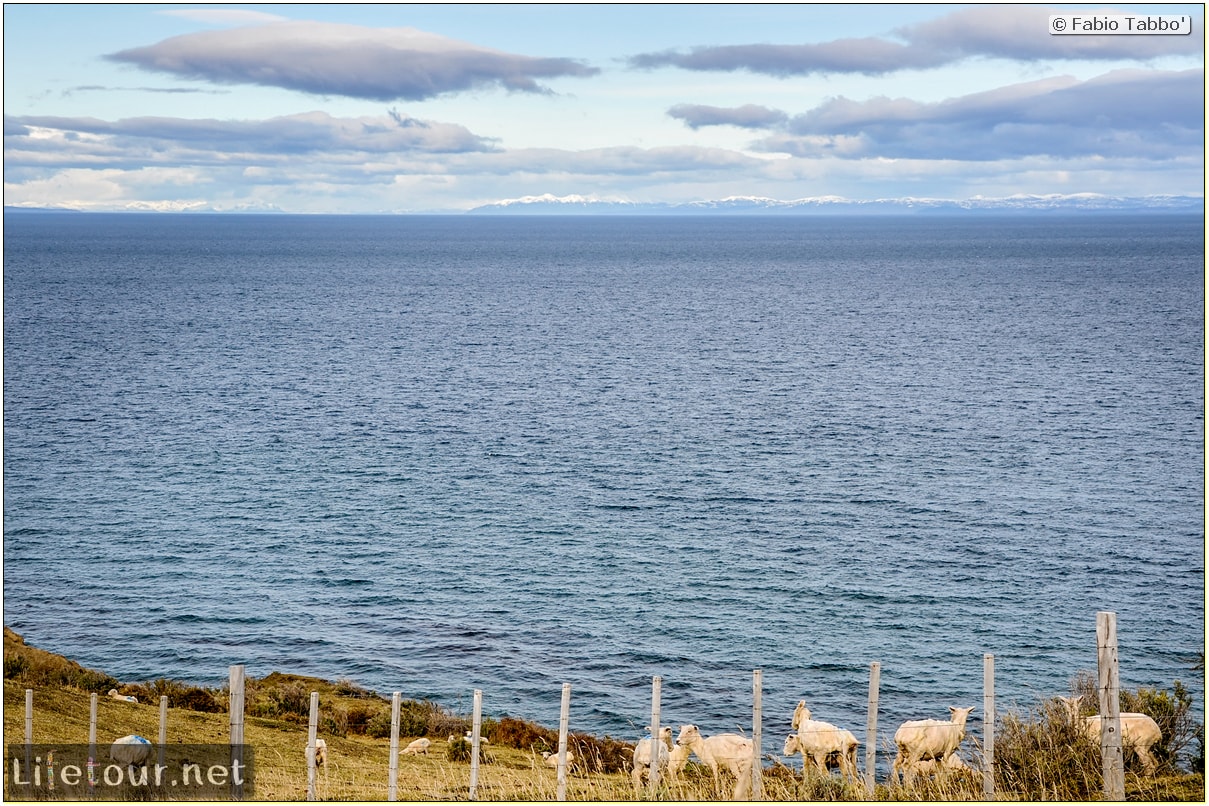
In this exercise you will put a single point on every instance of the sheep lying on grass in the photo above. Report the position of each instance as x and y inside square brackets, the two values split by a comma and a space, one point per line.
[113, 695]
[1139, 732]
[419, 747]
[728, 749]
[927, 739]
[819, 741]
[551, 759]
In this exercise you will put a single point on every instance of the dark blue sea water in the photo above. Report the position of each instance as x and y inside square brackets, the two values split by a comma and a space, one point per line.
[434, 454]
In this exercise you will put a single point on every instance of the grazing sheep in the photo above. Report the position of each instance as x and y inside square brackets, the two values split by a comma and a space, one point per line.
[320, 754]
[551, 759]
[730, 749]
[419, 747]
[818, 741]
[927, 739]
[649, 749]
[113, 695]
[1139, 732]
[469, 738]
[131, 751]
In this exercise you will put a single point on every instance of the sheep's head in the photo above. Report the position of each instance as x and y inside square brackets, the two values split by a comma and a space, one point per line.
[791, 745]
[688, 734]
[958, 716]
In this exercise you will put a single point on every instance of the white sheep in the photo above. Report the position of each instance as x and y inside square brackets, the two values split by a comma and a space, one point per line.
[320, 754]
[469, 738]
[551, 759]
[817, 741]
[419, 747]
[930, 766]
[1139, 732]
[648, 750]
[729, 749]
[927, 739]
[113, 695]
[131, 751]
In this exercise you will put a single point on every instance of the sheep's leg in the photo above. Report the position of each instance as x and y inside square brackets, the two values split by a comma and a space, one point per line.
[636, 775]
[1149, 765]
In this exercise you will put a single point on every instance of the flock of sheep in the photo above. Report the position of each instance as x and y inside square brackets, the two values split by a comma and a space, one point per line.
[924, 747]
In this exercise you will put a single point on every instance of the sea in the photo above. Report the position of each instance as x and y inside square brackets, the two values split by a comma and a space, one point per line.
[441, 454]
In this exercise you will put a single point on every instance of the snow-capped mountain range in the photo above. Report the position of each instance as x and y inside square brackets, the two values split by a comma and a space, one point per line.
[754, 205]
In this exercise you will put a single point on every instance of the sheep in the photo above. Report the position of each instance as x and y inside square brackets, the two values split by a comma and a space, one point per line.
[113, 695]
[930, 766]
[643, 752]
[551, 759]
[817, 741]
[927, 739]
[730, 749]
[320, 754]
[131, 751]
[419, 747]
[468, 738]
[1139, 732]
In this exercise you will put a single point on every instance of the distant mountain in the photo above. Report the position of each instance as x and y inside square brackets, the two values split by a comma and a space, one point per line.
[825, 205]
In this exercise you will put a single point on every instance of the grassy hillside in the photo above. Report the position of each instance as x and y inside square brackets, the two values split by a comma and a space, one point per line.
[355, 723]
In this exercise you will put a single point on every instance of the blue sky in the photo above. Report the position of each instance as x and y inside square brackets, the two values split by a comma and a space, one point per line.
[346, 108]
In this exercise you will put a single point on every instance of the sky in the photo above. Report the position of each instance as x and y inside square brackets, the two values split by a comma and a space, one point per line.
[397, 108]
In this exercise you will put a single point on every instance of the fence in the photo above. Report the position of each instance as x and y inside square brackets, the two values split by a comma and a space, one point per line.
[1108, 687]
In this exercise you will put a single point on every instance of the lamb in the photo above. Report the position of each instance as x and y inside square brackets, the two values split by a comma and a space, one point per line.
[419, 747]
[131, 751]
[113, 695]
[1138, 731]
[930, 766]
[645, 750]
[730, 749]
[927, 739]
[817, 741]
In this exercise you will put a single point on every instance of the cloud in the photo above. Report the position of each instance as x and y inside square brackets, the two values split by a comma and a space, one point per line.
[1000, 31]
[347, 60]
[1124, 113]
[749, 116]
[47, 140]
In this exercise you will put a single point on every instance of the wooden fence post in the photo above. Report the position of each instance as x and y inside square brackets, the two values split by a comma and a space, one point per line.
[29, 736]
[757, 717]
[875, 672]
[474, 743]
[988, 727]
[92, 742]
[236, 707]
[392, 789]
[312, 760]
[656, 686]
[1110, 706]
[564, 720]
[163, 730]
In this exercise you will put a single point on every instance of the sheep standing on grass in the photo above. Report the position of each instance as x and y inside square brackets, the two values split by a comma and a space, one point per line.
[551, 759]
[818, 741]
[650, 751]
[1139, 732]
[927, 739]
[729, 749]
[419, 747]
[131, 751]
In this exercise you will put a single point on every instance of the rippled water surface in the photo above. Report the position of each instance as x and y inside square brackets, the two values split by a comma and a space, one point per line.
[439, 454]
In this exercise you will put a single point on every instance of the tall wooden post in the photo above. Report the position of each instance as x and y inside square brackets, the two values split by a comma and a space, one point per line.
[162, 755]
[563, 724]
[656, 686]
[312, 734]
[236, 707]
[875, 673]
[29, 735]
[475, 740]
[757, 717]
[392, 787]
[1110, 706]
[988, 727]
[92, 741]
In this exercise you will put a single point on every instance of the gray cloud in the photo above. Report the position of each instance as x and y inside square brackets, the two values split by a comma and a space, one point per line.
[156, 140]
[749, 116]
[347, 60]
[1124, 113]
[1002, 31]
